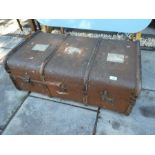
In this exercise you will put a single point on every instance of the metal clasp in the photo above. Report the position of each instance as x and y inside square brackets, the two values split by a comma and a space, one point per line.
[62, 87]
[106, 97]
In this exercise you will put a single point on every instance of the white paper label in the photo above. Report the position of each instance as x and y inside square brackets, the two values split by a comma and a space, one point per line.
[118, 58]
[40, 47]
[114, 78]
[72, 50]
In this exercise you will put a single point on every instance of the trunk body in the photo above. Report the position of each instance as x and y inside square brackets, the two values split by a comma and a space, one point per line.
[99, 72]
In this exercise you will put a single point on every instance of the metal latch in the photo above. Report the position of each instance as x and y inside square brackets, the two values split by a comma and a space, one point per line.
[106, 97]
[62, 87]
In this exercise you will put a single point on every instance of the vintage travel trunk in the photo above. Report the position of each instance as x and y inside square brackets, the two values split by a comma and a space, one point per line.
[92, 71]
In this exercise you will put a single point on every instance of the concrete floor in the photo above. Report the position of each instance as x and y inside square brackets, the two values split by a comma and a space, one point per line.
[23, 113]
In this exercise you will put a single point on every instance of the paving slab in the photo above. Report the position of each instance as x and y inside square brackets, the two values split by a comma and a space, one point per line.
[3, 53]
[9, 41]
[140, 122]
[10, 98]
[65, 101]
[40, 116]
[148, 70]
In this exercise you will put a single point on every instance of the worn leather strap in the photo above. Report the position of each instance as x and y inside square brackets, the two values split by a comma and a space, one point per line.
[88, 70]
[49, 57]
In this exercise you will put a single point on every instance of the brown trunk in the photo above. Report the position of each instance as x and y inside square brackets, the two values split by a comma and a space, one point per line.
[100, 72]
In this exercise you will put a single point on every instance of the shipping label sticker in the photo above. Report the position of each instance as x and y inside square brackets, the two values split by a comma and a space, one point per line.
[117, 58]
[72, 50]
[40, 47]
[113, 78]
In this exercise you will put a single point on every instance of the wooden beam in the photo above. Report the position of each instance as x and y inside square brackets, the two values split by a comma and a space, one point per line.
[32, 24]
[19, 24]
